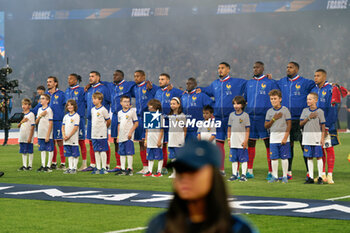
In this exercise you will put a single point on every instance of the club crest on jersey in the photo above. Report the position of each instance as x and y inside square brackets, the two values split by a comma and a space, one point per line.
[306, 150]
[297, 86]
[76, 92]
[167, 94]
[121, 88]
[208, 129]
[262, 90]
[297, 89]
[228, 86]
[263, 86]
[71, 120]
[240, 121]
[144, 91]
[98, 114]
[194, 98]
[324, 93]
[56, 97]
[228, 91]
[127, 117]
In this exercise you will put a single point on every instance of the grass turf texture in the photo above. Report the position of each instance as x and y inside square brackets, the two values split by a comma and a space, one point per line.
[39, 216]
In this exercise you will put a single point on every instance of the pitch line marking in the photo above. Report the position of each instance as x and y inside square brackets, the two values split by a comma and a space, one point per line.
[337, 198]
[128, 230]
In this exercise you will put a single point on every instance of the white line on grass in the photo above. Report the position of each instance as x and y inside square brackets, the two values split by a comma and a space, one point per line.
[337, 198]
[128, 230]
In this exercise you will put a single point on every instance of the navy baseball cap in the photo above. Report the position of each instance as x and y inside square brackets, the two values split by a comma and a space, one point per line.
[196, 154]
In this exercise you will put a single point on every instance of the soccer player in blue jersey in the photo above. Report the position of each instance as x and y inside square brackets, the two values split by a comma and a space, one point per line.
[294, 90]
[324, 89]
[164, 95]
[258, 102]
[143, 91]
[75, 92]
[224, 89]
[95, 86]
[193, 104]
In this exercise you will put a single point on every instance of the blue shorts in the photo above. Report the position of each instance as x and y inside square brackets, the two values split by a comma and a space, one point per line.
[88, 132]
[82, 128]
[100, 145]
[71, 151]
[154, 154]
[190, 135]
[221, 132]
[172, 152]
[257, 127]
[279, 151]
[45, 146]
[334, 135]
[313, 151]
[140, 131]
[238, 155]
[57, 130]
[114, 125]
[25, 148]
[126, 148]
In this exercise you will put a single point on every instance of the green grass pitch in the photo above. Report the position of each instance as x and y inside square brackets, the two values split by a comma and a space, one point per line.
[48, 216]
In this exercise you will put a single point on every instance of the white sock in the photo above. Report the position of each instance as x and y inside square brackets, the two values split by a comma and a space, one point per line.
[98, 160]
[84, 162]
[285, 167]
[274, 164]
[323, 173]
[70, 162]
[130, 160]
[50, 158]
[250, 171]
[150, 165]
[160, 165]
[122, 162]
[234, 168]
[310, 166]
[30, 163]
[289, 173]
[24, 160]
[43, 158]
[75, 162]
[330, 173]
[103, 155]
[320, 167]
[244, 168]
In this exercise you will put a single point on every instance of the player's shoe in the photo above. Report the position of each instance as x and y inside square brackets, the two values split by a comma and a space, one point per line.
[129, 172]
[172, 176]
[53, 166]
[40, 169]
[249, 175]
[324, 178]
[94, 171]
[73, 171]
[82, 168]
[88, 169]
[269, 176]
[164, 171]
[329, 179]
[272, 179]
[47, 169]
[158, 174]
[233, 178]
[143, 171]
[289, 177]
[23, 168]
[103, 171]
[309, 181]
[116, 169]
[147, 174]
[1, 174]
[29, 168]
[319, 180]
[120, 172]
[62, 167]
[222, 172]
[68, 171]
[285, 179]
[243, 178]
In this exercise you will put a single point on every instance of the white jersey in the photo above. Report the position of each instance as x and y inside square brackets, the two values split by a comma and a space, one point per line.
[99, 116]
[126, 121]
[238, 124]
[176, 135]
[279, 127]
[26, 127]
[44, 122]
[312, 132]
[152, 138]
[207, 132]
[69, 122]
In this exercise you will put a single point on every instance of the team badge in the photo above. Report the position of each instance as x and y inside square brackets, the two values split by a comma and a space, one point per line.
[167, 94]
[194, 98]
[240, 121]
[127, 117]
[297, 86]
[306, 150]
[228, 86]
[263, 86]
[324, 93]
[71, 120]
[98, 114]
[56, 97]
[144, 91]
[121, 88]
[76, 92]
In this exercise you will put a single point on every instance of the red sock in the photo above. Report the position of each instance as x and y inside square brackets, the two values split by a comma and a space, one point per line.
[82, 148]
[268, 159]
[251, 154]
[108, 155]
[92, 153]
[117, 158]
[165, 155]
[143, 158]
[63, 159]
[330, 159]
[221, 146]
[324, 159]
[238, 167]
[54, 158]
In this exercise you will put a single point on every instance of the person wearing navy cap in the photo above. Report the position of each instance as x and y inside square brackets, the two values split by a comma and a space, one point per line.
[200, 197]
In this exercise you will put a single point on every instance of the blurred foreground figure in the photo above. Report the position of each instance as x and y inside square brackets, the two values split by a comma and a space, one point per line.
[200, 198]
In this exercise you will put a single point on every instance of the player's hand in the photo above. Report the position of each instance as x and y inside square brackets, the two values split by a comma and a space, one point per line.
[159, 144]
[149, 85]
[145, 143]
[245, 145]
[19, 125]
[198, 90]
[170, 87]
[47, 139]
[129, 136]
[322, 142]
[348, 109]
[284, 141]
[269, 76]
[43, 113]
[117, 140]
[278, 116]
[313, 115]
[24, 120]
[87, 87]
[29, 140]
[65, 138]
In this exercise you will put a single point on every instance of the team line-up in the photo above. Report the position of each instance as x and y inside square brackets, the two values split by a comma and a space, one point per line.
[278, 111]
